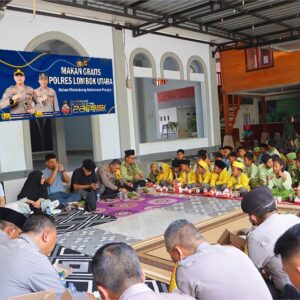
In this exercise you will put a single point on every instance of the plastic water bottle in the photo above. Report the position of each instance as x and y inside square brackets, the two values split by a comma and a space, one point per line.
[62, 278]
[48, 211]
[72, 288]
[98, 197]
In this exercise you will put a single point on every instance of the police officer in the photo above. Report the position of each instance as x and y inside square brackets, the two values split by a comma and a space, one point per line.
[11, 224]
[46, 97]
[268, 226]
[20, 97]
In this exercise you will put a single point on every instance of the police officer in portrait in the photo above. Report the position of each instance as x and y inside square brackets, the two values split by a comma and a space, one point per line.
[46, 97]
[20, 97]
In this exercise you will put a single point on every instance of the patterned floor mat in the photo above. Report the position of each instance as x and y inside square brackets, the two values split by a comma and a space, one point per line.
[205, 206]
[82, 276]
[78, 219]
[89, 240]
[145, 202]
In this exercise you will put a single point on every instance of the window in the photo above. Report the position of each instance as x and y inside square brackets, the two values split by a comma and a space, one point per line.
[258, 58]
[171, 64]
[141, 60]
[196, 67]
[170, 111]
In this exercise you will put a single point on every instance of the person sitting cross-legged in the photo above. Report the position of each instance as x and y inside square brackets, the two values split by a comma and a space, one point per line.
[238, 181]
[207, 271]
[34, 195]
[219, 177]
[251, 169]
[130, 171]
[85, 183]
[187, 175]
[55, 177]
[281, 182]
[203, 175]
[118, 275]
[109, 177]
[11, 224]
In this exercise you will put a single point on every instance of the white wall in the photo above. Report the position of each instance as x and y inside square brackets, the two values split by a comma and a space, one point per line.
[184, 50]
[18, 29]
[92, 38]
[253, 110]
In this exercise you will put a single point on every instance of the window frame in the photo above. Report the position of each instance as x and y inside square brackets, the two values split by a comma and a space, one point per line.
[260, 66]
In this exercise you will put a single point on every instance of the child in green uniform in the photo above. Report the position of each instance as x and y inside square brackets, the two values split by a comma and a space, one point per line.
[281, 181]
[291, 158]
[251, 170]
[265, 169]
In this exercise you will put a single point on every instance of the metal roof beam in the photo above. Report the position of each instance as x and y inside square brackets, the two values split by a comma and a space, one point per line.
[136, 3]
[282, 19]
[253, 10]
[259, 16]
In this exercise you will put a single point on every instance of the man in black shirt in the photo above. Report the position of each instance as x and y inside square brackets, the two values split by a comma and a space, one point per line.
[85, 182]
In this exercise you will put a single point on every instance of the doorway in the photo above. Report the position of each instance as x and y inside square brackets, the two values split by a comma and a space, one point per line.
[70, 138]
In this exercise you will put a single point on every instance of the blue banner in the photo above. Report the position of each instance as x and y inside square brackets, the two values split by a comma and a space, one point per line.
[36, 85]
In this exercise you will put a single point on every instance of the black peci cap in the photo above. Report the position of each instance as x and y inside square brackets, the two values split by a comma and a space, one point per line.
[220, 164]
[129, 152]
[12, 216]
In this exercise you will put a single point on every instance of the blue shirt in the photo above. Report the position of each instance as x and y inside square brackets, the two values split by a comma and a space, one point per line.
[57, 185]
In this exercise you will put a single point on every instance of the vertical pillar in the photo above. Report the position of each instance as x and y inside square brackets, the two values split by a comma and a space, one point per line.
[59, 141]
[226, 113]
[264, 135]
[263, 114]
[121, 89]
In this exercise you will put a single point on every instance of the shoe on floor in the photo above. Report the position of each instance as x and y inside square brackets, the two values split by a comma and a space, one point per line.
[53, 205]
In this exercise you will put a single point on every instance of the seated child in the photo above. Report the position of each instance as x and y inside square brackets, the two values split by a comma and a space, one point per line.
[219, 177]
[251, 170]
[291, 160]
[187, 176]
[180, 154]
[203, 175]
[265, 169]
[238, 181]
[281, 181]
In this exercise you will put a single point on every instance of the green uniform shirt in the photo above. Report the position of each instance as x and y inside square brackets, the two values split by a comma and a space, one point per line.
[280, 183]
[252, 171]
[264, 173]
[128, 172]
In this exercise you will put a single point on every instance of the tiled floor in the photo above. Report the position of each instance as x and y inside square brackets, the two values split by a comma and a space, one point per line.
[147, 224]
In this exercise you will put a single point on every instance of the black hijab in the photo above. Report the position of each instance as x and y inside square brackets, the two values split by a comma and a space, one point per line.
[32, 188]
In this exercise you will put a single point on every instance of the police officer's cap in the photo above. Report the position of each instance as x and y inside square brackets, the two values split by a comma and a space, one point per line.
[12, 216]
[43, 75]
[18, 72]
[129, 152]
[258, 202]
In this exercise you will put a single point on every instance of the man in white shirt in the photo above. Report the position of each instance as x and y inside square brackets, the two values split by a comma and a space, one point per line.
[268, 226]
[118, 275]
[207, 271]
[11, 224]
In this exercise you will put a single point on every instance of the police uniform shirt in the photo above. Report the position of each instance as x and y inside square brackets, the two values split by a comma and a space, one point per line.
[51, 102]
[4, 238]
[22, 105]
[142, 292]
[261, 242]
[220, 272]
[24, 269]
